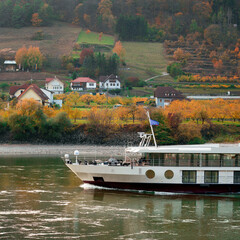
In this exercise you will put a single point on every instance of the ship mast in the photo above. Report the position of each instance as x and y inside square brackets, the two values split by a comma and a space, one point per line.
[154, 139]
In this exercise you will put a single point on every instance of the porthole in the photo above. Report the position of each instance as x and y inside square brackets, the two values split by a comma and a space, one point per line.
[150, 174]
[169, 174]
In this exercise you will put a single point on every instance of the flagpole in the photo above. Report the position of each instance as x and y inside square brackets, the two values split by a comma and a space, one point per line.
[154, 139]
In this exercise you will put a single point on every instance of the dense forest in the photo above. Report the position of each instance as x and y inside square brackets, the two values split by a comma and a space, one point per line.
[171, 16]
[200, 36]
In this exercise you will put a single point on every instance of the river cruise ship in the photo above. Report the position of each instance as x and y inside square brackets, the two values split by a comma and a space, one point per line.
[200, 169]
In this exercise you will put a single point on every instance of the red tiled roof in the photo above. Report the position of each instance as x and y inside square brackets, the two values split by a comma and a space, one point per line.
[49, 80]
[14, 89]
[83, 79]
[37, 90]
[168, 92]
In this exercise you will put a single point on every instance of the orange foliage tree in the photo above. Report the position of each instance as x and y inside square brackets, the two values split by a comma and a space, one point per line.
[36, 21]
[180, 55]
[21, 57]
[203, 110]
[119, 50]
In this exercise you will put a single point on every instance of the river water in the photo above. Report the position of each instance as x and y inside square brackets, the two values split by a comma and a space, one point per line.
[40, 198]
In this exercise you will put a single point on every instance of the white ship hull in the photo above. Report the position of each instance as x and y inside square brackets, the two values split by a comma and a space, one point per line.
[134, 178]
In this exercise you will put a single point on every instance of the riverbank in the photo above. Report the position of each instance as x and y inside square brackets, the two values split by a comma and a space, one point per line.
[59, 150]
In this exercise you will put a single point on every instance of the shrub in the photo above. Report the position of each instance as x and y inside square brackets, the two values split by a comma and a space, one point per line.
[3, 126]
[21, 126]
[175, 69]
[54, 129]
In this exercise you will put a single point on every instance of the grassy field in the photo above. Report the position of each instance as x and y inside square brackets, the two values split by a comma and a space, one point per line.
[146, 60]
[93, 38]
[59, 38]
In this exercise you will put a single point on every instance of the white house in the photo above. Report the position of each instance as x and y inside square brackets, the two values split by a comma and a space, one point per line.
[109, 82]
[83, 83]
[54, 85]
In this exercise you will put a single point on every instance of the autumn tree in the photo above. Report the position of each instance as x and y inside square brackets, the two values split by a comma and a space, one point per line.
[181, 55]
[119, 50]
[189, 132]
[28, 107]
[100, 36]
[202, 10]
[72, 99]
[21, 57]
[87, 98]
[75, 114]
[36, 21]
[105, 11]
[213, 34]
[85, 53]
[217, 64]
[34, 58]
[121, 113]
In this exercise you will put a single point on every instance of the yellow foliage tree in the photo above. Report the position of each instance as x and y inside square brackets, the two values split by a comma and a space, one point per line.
[75, 114]
[73, 99]
[28, 107]
[34, 57]
[87, 98]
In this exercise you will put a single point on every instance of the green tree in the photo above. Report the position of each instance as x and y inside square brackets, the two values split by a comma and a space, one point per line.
[162, 131]
[18, 16]
[22, 127]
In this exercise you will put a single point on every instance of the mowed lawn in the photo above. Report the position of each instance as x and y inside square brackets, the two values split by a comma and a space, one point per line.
[145, 60]
[93, 38]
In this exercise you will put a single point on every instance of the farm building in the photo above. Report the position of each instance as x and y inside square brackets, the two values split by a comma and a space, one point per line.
[10, 65]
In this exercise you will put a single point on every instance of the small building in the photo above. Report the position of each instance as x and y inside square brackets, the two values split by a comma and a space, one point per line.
[17, 90]
[165, 95]
[54, 85]
[110, 82]
[10, 65]
[83, 83]
[34, 92]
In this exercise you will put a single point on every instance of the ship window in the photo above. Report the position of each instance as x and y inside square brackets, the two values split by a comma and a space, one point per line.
[211, 177]
[187, 159]
[150, 174]
[169, 174]
[236, 177]
[98, 179]
[189, 176]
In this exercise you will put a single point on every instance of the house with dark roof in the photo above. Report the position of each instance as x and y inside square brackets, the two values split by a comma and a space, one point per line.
[165, 95]
[54, 85]
[83, 83]
[34, 92]
[109, 82]
[16, 90]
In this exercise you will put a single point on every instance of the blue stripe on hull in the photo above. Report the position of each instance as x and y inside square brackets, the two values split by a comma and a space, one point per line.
[175, 188]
